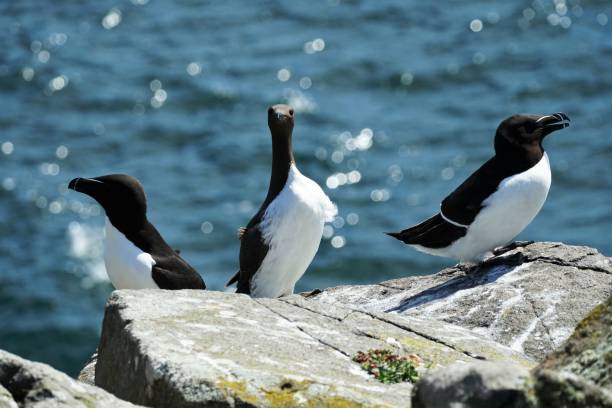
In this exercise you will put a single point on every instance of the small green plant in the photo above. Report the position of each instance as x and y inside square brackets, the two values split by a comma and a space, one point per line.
[387, 367]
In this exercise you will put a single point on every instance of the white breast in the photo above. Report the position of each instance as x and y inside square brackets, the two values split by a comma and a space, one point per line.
[506, 213]
[127, 266]
[292, 227]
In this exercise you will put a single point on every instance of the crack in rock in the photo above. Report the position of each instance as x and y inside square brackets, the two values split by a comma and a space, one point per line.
[324, 343]
[426, 336]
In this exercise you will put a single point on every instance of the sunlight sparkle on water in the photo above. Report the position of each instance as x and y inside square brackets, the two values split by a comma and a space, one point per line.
[328, 231]
[112, 19]
[407, 78]
[305, 83]
[283, 75]
[352, 219]
[340, 179]
[207, 227]
[338, 241]
[378, 195]
[49, 169]
[27, 73]
[61, 152]
[8, 183]
[155, 84]
[316, 45]
[7, 148]
[602, 19]
[44, 56]
[58, 83]
[158, 99]
[476, 25]
[299, 101]
[58, 39]
[338, 222]
[194, 69]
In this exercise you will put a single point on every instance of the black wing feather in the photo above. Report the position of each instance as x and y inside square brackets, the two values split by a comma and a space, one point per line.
[174, 273]
[434, 232]
[253, 250]
[464, 204]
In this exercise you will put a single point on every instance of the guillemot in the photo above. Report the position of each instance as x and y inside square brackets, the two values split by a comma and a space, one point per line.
[498, 200]
[135, 254]
[280, 241]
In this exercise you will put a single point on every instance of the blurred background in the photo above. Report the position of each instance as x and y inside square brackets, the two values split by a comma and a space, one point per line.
[397, 102]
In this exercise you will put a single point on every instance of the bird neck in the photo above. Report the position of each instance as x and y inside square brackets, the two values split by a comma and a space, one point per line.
[282, 160]
[520, 156]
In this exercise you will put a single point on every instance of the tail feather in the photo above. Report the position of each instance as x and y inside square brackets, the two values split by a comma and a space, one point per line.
[233, 279]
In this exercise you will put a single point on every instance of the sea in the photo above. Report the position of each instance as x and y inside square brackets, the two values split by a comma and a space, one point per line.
[396, 103]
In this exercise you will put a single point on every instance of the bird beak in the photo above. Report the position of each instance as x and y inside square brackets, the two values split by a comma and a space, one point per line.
[551, 123]
[84, 185]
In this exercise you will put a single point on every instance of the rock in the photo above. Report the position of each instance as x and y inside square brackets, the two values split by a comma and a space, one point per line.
[481, 384]
[88, 373]
[6, 399]
[28, 384]
[529, 298]
[203, 348]
[580, 373]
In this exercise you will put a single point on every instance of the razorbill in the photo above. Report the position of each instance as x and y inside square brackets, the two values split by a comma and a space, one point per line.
[497, 201]
[135, 254]
[283, 237]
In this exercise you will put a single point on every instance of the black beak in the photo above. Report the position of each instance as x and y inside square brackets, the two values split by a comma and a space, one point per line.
[551, 123]
[84, 185]
[73, 184]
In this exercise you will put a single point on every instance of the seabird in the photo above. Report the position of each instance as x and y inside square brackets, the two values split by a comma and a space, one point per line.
[135, 254]
[283, 237]
[497, 201]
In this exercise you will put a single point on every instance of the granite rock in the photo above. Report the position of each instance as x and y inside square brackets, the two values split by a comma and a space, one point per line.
[528, 298]
[28, 384]
[203, 348]
[579, 374]
[474, 385]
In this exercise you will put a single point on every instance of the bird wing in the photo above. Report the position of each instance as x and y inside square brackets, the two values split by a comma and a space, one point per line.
[176, 274]
[457, 210]
[434, 232]
[253, 250]
[463, 205]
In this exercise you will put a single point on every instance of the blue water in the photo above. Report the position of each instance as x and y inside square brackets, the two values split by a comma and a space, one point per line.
[396, 101]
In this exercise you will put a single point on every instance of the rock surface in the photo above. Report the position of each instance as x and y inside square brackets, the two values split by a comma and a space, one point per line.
[197, 348]
[88, 373]
[28, 384]
[529, 298]
[6, 399]
[580, 373]
[481, 384]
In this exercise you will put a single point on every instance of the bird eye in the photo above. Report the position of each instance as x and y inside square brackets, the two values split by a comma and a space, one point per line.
[291, 112]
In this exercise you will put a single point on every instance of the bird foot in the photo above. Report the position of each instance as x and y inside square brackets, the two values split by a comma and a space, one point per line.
[510, 247]
[466, 267]
[312, 293]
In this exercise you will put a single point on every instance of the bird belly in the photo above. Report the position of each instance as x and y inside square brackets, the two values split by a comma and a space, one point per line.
[292, 228]
[505, 214]
[127, 266]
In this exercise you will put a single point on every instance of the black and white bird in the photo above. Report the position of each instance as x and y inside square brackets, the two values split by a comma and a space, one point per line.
[497, 201]
[135, 254]
[281, 240]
